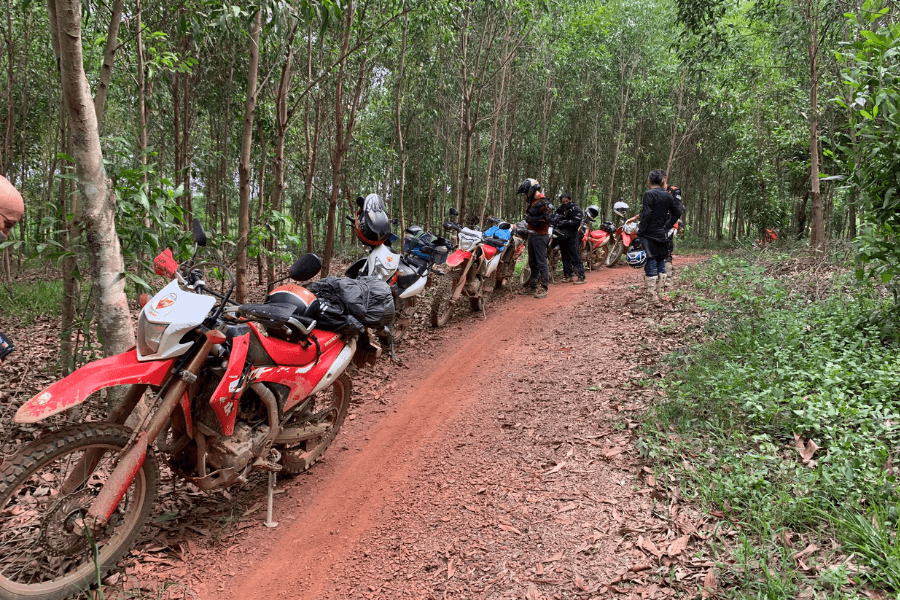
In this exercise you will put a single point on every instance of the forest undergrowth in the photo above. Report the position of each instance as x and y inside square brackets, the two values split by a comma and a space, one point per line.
[784, 418]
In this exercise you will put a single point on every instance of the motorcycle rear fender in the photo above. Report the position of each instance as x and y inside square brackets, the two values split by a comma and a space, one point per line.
[121, 369]
[458, 257]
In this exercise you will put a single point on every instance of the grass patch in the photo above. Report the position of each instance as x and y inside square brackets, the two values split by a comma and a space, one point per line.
[789, 360]
[27, 302]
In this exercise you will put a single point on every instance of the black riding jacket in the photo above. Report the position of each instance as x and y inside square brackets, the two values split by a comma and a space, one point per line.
[660, 212]
[570, 218]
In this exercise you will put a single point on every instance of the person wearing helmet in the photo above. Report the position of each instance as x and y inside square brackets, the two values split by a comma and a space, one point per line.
[659, 214]
[11, 210]
[570, 218]
[537, 218]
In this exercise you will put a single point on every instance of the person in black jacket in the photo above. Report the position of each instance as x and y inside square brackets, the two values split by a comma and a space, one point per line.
[570, 218]
[538, 211]
[659, 214]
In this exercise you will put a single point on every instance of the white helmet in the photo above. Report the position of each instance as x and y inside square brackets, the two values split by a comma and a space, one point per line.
[620, 208]
[637, 258]
[630, 228]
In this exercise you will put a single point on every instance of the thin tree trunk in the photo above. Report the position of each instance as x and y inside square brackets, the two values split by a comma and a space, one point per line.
[244, 168]
[107, 266]
[112, 40]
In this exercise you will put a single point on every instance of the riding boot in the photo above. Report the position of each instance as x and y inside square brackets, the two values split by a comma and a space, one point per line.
[661, 284]
[652, 297]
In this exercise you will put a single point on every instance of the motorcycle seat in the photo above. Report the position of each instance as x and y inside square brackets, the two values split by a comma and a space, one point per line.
[273, 311]
[495, 242]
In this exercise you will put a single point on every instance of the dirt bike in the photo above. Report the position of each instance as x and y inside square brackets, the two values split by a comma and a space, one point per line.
[408, 275]
[234, 389]
[596, 243]
[472, 271]
[506, 270]
[621, 240]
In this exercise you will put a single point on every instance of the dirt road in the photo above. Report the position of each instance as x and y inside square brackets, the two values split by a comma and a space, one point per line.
[498, 461]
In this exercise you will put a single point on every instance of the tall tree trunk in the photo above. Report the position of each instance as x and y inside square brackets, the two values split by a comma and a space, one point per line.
[244, 168]
[98, 196]
[282, 118]
[398, 103]
[112, 41]
[817, 237]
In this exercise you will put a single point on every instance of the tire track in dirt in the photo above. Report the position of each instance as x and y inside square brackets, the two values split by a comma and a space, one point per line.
[325, 515]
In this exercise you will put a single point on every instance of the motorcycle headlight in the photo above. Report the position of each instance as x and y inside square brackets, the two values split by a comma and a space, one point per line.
[149, 335]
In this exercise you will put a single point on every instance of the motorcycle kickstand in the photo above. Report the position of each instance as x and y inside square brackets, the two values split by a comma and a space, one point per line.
[269, 522]
[484, 310]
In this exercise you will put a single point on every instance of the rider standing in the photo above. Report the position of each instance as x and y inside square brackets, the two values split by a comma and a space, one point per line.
[537, 217]
[659, 214]
[570, 219]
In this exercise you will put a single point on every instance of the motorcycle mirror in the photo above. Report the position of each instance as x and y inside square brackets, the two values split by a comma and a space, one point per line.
[454, 212]
[305, 267]
[395, 221]
[199, 234]
[505, 226]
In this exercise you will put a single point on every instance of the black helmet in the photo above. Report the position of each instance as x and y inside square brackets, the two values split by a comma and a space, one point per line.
[529, 187]
[373, 226]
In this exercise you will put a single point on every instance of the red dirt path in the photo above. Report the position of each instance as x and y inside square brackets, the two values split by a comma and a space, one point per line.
[500, 464]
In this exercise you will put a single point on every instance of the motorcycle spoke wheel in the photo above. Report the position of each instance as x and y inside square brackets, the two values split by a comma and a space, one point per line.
[615, 254]
[598, 256]
[45, 492]
[329, 408]
[441, 307]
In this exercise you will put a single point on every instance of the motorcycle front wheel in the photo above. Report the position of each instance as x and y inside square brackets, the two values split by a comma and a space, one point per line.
[325, 411]
[441, 307]
[598, 256]
[615, 253]
[45, 492]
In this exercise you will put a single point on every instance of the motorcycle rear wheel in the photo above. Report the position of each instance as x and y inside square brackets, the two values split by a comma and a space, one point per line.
[45, 553]
[615, 253]
[441, 307]
[331, 404]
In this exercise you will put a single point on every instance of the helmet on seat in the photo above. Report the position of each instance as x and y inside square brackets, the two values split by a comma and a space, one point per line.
[631, 228]
[620, 208]
[304, 301]
[592, 212]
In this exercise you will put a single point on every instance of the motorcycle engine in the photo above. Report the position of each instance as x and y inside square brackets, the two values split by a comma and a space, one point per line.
[236, 451]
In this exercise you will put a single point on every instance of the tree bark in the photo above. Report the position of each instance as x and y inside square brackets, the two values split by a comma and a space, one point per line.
[98, 196]
[112, 40]
[817, 236]
[244, 168]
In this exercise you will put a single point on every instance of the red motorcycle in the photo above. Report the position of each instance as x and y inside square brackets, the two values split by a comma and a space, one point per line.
[595, 243]
[622, 236]
[472, 269]
[234, 389]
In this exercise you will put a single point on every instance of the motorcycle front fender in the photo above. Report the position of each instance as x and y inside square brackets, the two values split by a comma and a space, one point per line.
[121, 369]
[458, 257]
[627, 239]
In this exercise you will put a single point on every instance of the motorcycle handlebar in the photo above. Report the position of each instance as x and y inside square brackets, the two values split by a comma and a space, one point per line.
[452, 225]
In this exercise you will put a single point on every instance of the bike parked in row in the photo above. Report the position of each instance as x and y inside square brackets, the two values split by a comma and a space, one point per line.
[595, 243]
[472, 268]
[237, 389]
[409, 275]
